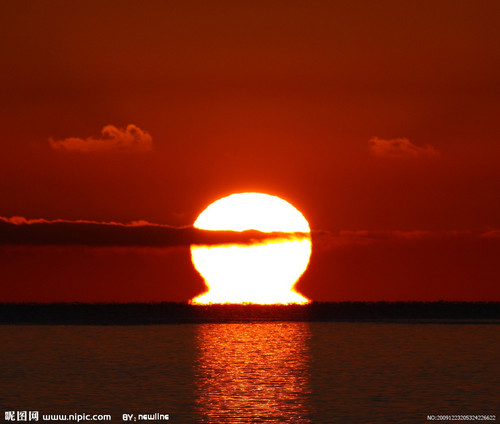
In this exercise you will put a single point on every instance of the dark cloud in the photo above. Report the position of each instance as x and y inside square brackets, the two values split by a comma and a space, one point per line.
[40, 232]
[399, 148]
[492, 234]
[131, 139]
[331, 239]
[20, 231]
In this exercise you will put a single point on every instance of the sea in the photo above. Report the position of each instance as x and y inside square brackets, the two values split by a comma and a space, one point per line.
[262, 372]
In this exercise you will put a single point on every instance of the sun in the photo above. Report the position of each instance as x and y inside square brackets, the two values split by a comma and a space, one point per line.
[264, 272]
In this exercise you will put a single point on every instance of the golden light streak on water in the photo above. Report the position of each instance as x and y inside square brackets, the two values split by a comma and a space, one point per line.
[253, 373]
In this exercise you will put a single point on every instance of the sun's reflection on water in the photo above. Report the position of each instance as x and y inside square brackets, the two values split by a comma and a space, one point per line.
[252, 373]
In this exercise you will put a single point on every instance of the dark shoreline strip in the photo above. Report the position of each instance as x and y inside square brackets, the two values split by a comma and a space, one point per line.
[183, 313]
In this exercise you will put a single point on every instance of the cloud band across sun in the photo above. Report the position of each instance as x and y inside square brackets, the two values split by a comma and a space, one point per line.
[19, 231]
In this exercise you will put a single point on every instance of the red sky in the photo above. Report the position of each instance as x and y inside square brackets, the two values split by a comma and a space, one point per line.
[370, 117]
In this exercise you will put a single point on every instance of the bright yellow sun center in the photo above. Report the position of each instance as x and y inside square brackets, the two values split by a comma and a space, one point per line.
[264, 272]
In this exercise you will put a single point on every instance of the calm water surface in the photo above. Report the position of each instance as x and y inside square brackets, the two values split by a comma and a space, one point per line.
[254, 372]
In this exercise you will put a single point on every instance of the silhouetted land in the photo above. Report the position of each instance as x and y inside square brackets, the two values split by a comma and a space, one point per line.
[176, 313]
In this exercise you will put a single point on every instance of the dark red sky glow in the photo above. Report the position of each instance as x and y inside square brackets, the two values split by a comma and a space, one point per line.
[370, 117]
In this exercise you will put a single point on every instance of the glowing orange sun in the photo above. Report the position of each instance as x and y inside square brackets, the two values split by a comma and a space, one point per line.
[264, 272]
